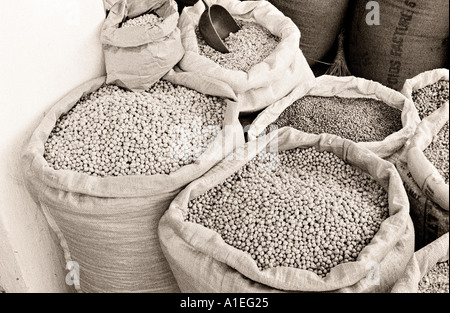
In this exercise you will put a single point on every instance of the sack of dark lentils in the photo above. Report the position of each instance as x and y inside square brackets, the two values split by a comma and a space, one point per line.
[141, 42]
[428, 269]
[423, 163]
[264, 62]
[291, 212]
[105, 163]
[376, 117]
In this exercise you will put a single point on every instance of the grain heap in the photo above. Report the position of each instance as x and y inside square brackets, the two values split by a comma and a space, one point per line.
[248, 47]
[429, 98]
[143, 20]
[436, 280]
[437, 152]
[114, 132]
[311, 211]
[357, 119]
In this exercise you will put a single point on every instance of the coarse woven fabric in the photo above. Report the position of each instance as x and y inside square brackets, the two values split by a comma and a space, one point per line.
[421, 262]
[266, 81]
[107, 4]
[412, 37]
[202, 262]
[351, 87]
[319, 22]
[109, 225]
[429, 219]
[137, 57]
[135, 7]
[422, 170]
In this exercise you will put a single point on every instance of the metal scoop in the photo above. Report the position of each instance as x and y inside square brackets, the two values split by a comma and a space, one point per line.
[215, 24]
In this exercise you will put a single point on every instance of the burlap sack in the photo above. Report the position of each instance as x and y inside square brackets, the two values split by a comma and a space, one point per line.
[429, 219]
[428, 191]
[328, 86]
[202, 262]
[135, 7]
[319, 22]
[108, 4]
[410, 38]
[137, 57]
[421, 262]
[108, 226]
[422, 170]
[424, 79]
[265, 82]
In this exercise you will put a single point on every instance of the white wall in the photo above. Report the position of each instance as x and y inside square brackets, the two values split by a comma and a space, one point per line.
[47, 48]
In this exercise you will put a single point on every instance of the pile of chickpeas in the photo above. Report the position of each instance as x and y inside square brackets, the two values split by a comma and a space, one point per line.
[248, 47]
[115, 132]
[302, 208]
[148, 19]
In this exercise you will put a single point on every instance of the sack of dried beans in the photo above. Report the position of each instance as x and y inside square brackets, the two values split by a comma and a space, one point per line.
[294, 212]
[423, 163]
[428, 269]
[141, 42]
[105, 163]
[376, 117]
[264, 62]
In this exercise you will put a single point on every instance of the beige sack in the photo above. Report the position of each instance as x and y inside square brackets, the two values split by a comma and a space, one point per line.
[265, 82]
[108, 4]
[108, 225]
[422, 261]
[430, 220]
[351, 87]
[389, 41]
[137, 57]
[202, 262]
[422, 170]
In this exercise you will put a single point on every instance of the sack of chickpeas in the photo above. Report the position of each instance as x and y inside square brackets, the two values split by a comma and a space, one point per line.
[423, 163]
[264, 62]
[428, 269]
[366, 112]
[135, 7]
[105, 163]
[293, 212]
[107, 4]
[141, 42]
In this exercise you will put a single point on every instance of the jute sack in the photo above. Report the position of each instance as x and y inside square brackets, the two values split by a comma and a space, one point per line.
[350, 87]
[108, 226]
[430, 220]
[423, 172]
[135, 7]
[398, 41]
[319, 22]
[108, 4]
[136, 57]
[421, 262]
[426, 189]
[266, 81]
[202, 262]
[424, 79]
